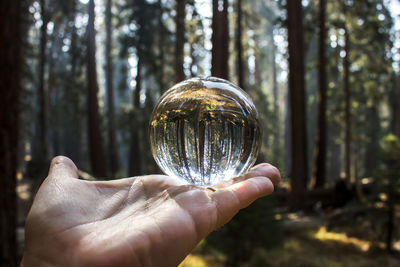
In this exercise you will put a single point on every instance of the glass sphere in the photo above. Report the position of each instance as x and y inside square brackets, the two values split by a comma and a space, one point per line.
[205, 130]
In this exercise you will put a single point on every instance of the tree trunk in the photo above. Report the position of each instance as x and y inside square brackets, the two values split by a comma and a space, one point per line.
[390, 229]
[52, 97]
[299, 169]
[320, 149]
[73, 133]
[287, 151]
[239, 46]
[161, 53]
[112, 146]
[347, 105]
[135, 162]
[134, 157]
[180, 39]
[274, 76]
[10, 54]
[220, 39]
[391, 217]
[372, 147]
[334, 149]
[258, 68]
[193, 62]
[96, 150]
[397, 110]
[276, 145]
[41, 150]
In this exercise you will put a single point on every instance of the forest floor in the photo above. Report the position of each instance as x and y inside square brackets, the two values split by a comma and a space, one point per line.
[309, 244]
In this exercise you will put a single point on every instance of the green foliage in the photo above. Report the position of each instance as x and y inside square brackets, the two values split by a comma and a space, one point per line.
[369, 25]
[387, 182]
[391, 159]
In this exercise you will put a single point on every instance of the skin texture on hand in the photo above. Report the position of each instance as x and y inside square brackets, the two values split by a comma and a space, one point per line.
[152, 220]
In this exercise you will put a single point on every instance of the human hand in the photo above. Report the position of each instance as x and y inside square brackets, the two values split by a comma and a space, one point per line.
[152, 220]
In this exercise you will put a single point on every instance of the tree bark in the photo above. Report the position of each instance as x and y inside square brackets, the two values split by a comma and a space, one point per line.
[274, 76]
[397, 110]
[180, 40]
[10, 87]
[73, 133]
[52, 96]
[161, 52]
[258, 67]
[391, 219]
[239, 46]
[276, 145]
[135, 157]
[96, 150]
[390, 228]
[192, 31]
[41, 150]
[112, 146]
[193, 62]
[299, 168]
[287, 151]
[372, 147]
[320, 149]
[220, 40]
[346, 78]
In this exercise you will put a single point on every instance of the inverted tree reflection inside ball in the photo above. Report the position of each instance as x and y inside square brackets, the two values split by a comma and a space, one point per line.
[205, 131]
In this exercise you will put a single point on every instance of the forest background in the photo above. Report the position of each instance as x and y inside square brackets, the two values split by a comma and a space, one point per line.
[80, 78]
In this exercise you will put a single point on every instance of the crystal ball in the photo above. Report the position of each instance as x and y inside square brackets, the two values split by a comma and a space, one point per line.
[205, 130]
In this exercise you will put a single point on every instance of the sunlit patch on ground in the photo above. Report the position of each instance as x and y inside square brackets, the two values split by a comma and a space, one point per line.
[323, 234]
[312, 248]
[193, 261]
[320, 247]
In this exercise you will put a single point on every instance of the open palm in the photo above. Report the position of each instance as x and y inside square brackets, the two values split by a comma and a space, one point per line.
[152, 220]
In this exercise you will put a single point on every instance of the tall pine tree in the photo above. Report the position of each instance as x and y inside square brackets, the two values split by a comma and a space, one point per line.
[96, 150]
[299, 168]
[10, 87]
[220, 39]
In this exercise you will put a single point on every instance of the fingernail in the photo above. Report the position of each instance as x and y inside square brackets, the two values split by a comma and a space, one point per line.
[262, 167]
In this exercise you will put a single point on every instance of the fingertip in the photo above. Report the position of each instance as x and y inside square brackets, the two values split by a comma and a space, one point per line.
[263, 185]
[230, 199]
[63, 165]
[251, 189]
[267, 170]
[260, 165]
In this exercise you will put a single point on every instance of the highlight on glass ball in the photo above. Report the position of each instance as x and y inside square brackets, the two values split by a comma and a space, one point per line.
[205, 130]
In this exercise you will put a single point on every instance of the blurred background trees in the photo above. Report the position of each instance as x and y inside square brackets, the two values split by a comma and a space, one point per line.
[80, 78]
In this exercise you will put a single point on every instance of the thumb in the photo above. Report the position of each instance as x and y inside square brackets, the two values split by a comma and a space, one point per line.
[62, 168]
[246, 189]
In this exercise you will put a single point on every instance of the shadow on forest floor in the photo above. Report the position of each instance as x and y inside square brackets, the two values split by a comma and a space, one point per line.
[308, 247]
